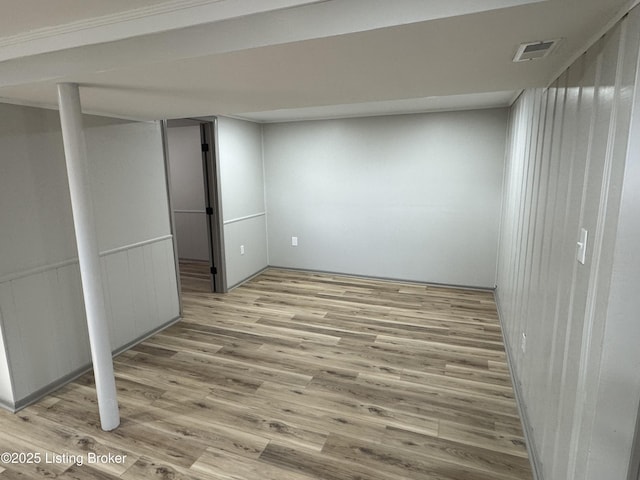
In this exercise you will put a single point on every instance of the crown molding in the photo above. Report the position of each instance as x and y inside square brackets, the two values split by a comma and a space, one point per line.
[110, 19]
[169, 15]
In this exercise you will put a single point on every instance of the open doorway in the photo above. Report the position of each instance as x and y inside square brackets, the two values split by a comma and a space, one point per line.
[194, 190]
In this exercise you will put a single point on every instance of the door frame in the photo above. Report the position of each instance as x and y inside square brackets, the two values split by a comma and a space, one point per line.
[213, 197]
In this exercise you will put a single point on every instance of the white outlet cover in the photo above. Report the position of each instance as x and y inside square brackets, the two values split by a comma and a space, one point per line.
[294, 241]
[241, 249]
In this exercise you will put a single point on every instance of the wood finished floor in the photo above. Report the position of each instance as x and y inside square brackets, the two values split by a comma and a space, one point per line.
[297, 376]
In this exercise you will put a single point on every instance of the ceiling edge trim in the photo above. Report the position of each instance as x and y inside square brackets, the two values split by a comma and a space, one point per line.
[110, 19]
[630, 5]
[53, 106]
[175, 14]
[348, 116]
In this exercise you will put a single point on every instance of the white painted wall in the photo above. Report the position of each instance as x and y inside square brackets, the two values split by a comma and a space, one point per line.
[41, 304]
[243, 200]
[128, 181]
[413, 197]
[187, 192]
[568, 167]
[34, 197]
[6, 390]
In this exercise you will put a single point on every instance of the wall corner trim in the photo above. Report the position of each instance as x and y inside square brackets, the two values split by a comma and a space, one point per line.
[11, 407]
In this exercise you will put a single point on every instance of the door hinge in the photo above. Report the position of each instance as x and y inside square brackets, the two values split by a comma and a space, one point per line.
[214, 271]
[209, 211]
[205, 147]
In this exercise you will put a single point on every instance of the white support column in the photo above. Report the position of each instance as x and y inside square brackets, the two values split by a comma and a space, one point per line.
[81, 203]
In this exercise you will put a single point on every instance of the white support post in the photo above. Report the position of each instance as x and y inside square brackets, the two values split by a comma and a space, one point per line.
[82, 206]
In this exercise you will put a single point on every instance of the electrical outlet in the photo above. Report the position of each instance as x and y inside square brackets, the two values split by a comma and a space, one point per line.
[241, 249]
[523, 342]
[294, 241]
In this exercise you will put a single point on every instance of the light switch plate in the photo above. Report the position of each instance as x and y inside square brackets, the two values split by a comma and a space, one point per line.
[294, 241]
[582, 246]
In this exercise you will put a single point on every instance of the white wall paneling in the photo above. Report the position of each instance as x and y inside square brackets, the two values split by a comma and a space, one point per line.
[128, 181]
[41, 305]
[249, 233]
[37, 231]
[140, 282]
[41, 309]
[133, 224]
[577, 373]
[243, 198]
[44, 321]
[413, 197]
[618, 388]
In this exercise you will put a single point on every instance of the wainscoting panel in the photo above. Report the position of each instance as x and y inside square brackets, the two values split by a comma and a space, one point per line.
[43, 313]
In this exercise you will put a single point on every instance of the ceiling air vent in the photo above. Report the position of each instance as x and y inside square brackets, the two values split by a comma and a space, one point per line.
[535, 50]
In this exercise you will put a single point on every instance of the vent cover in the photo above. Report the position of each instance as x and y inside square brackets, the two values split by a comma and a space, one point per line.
[535, 50]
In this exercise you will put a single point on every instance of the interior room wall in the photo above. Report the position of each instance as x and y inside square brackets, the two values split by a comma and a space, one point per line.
[187, 192]
[569, 326]
[239, 146]
[617, 400]
[134, 231]
[41, 305]
[412, 197]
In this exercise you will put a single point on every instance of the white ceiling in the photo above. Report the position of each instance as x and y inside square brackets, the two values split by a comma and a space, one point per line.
[278, 60]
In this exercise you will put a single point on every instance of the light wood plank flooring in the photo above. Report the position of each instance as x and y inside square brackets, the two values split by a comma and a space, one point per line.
[297, 376]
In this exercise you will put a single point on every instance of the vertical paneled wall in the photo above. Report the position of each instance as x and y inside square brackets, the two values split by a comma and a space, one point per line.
[565, 171]
[243, 200]
[41, 306]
